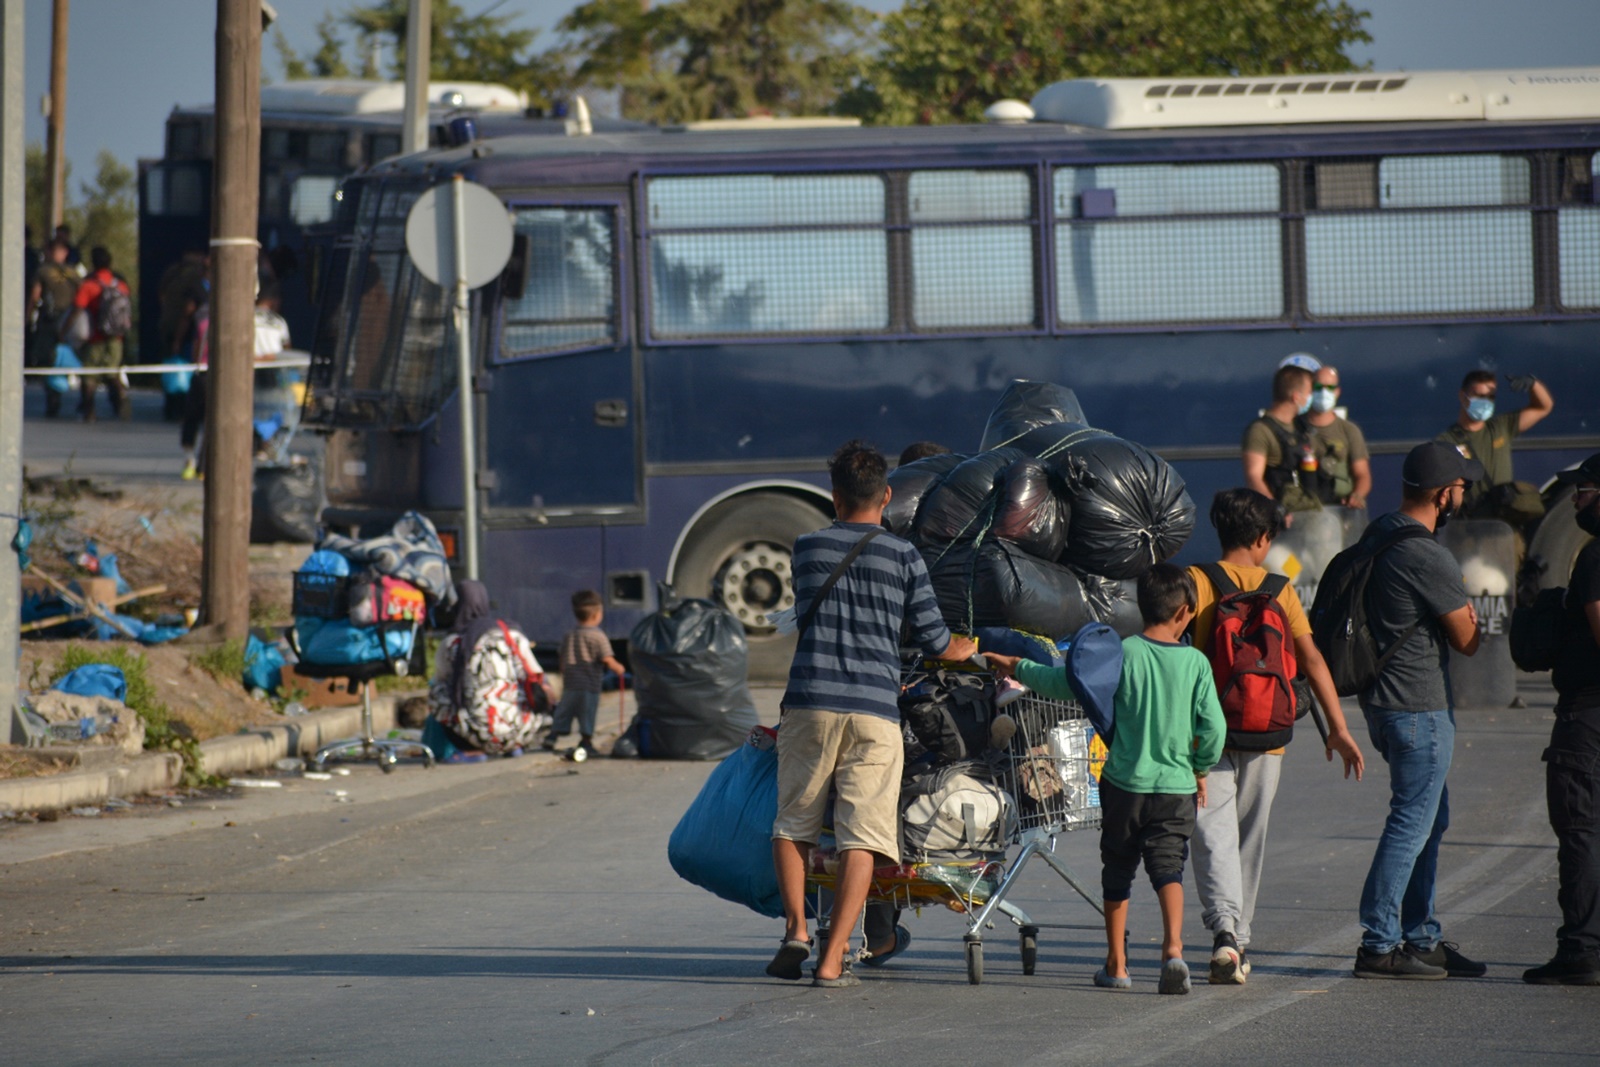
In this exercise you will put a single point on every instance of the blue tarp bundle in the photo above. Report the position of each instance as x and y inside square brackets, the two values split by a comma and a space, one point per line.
[94, 680]
[724, 841]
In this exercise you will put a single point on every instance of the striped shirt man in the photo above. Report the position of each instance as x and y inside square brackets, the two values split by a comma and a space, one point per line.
[848, 659]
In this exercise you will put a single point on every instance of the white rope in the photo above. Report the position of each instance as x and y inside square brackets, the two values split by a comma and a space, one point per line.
[159, 368]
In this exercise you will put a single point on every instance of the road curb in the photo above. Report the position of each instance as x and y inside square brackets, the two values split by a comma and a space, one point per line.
[253, 749]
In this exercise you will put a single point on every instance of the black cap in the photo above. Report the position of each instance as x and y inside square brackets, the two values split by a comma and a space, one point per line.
[1587, 471]
[1436, 463]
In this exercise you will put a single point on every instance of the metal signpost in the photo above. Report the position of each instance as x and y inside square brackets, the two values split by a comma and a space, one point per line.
[436, 238]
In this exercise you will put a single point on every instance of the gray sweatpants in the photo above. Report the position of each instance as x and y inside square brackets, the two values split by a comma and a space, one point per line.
[1230, 839]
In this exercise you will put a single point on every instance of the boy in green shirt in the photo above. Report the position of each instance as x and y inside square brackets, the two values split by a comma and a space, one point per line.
[1168, 732]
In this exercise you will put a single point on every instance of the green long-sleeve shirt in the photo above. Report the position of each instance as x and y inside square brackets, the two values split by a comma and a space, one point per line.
[1168, 722]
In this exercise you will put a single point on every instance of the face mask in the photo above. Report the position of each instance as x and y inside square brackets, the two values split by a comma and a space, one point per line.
[1480, 408]
[1322, 400]
[1305, 406]
[1589, 518]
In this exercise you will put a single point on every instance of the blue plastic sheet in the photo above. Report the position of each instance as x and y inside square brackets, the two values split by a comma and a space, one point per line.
[263, 665]
[724, 841]
[94, 680]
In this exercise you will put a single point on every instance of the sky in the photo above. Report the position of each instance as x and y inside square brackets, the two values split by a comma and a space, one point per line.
[130, 61]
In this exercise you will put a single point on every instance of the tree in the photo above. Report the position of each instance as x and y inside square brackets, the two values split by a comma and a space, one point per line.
[947, 60]
[326, 62]
[482, 47]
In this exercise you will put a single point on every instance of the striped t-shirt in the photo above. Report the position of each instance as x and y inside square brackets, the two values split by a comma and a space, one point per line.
[849, 657]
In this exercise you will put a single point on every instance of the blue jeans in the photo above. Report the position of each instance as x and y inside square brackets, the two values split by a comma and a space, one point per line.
[1397, 899]
[575, 704]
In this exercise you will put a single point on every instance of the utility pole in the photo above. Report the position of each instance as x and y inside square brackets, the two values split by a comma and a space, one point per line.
[419, 49]
[225, 570]
[54, 152]
[11, 301]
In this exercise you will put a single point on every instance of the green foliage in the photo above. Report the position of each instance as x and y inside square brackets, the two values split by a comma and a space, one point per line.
[224, 662]
[161, 732]
[947, 60]
[698, 59]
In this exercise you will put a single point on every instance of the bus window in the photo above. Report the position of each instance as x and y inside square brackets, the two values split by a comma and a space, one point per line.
[311, 199]
[325, 146]
[183, 140]
[965, 270]
[767, 254]
[174, 191]
[276, 143]
[569, 293]
[382, 146]
[1408, 257]
[1342, 185]
[1578, 233]
[1119, 261]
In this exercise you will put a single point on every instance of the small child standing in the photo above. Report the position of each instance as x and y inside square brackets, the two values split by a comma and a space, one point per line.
[585, 653]
[1168, 731]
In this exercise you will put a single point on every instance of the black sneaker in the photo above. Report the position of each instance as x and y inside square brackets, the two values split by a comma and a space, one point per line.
[1396, 963]
[1563, 969]
[1227, 961]
[1446, 955]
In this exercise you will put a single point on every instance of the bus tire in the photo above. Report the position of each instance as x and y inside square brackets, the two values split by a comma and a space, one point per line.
[738, 555]
[1558, 540]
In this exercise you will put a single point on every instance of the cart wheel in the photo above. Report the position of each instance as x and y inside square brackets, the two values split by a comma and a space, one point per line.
[316, 765]
[388, 761]
[974, 961]
[1030, 948]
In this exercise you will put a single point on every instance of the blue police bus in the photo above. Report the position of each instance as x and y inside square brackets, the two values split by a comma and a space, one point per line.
[694, 318]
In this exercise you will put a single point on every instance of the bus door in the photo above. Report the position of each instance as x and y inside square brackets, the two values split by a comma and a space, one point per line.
[562, 434]
[174, 218]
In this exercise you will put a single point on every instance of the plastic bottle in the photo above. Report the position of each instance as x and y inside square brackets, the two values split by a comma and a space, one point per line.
[294, 707]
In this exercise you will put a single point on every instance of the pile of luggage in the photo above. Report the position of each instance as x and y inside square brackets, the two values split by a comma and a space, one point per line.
[1045, 527]
[365, 601]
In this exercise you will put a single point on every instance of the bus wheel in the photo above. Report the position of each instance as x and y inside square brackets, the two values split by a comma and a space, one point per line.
[1558, 540]
[739, 555]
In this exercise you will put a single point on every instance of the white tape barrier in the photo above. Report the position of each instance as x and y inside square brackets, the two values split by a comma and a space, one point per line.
[300, 360]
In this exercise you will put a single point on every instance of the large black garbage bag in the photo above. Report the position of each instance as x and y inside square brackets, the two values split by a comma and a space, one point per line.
[285, 504]
[909, 486]
[1025, 405]
[996, 584]
[963, 505]
[1130, 510]
[690, 665]
[1113, 602]
[1033, 512]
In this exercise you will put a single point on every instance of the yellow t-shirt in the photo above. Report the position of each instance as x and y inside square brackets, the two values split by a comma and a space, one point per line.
[1246, 578]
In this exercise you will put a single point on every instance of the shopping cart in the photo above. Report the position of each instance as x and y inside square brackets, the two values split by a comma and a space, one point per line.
[1051, 768]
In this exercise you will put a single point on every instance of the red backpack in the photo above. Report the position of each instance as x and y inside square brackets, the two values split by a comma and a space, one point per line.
[1252, 661]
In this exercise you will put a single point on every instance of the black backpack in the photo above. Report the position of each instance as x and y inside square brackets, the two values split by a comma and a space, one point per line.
[1537, 629]
[949, 712]
[1339, 614]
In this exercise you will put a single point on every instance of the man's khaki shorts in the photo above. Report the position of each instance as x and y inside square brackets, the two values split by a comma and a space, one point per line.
[862, 756]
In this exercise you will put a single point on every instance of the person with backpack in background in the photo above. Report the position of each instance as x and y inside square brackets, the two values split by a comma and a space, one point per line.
[1488, 437]
[1389, 612]
[488, 695]
[1572, 762]
[1278, 453]
[1253, 629]
[50, 298]
[1166, 733]
[857, 588]
[106, 302]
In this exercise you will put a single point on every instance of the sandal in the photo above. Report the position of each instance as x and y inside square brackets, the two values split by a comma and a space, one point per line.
[846, 980]
[786, 964]
[902, 941]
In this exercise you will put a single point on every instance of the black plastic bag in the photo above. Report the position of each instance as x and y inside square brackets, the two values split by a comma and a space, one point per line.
[690, 665]
[997, 584]
[909, 486]
[1114, 602]
[1033, 511]
[962, 506]
[1130, 510]
[285, 504]
[1025, 405]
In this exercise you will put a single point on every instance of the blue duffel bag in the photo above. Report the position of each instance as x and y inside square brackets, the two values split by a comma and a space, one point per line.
[724, 841]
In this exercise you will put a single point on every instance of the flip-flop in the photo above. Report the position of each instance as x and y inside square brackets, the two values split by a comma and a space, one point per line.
[902, 941]
[786, 964]
[846, 980]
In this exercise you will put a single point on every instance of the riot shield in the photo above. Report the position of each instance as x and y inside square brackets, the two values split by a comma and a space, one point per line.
[1303, 551]
[1487, 552]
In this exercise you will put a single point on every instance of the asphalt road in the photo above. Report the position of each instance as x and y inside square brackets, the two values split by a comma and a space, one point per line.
[524, 911]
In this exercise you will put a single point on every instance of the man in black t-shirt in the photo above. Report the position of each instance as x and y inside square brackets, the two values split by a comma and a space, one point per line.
[1572, 771]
